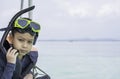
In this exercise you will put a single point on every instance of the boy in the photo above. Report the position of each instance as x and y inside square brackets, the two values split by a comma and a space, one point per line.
[15, 64]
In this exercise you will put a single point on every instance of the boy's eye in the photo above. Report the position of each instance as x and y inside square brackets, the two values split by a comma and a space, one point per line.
[30, 42]
[21, 40]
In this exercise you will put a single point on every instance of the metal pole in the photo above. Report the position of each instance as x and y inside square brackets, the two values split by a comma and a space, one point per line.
[30, 4]
[22, 2]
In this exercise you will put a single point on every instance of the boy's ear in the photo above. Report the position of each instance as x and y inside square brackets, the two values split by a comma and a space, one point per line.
[9, 38]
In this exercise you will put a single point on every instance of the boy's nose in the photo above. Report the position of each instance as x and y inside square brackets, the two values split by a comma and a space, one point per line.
[25, 44]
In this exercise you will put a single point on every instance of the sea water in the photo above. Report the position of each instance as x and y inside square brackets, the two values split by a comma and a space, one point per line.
[80, 60]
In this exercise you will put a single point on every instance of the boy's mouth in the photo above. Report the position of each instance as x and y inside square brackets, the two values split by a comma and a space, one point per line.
[23, 51]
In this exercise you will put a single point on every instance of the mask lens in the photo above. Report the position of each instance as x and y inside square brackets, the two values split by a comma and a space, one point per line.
[22, 22]
[35, 26]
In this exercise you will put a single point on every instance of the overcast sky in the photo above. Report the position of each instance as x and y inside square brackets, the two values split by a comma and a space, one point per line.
[70, 19]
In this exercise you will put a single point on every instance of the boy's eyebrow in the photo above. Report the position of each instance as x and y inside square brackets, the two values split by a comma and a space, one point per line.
[24, 38]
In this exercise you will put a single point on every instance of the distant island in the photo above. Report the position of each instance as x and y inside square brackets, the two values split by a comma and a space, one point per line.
[72, 40]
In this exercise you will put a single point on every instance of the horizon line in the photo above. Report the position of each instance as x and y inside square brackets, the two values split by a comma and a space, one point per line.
[79, 40]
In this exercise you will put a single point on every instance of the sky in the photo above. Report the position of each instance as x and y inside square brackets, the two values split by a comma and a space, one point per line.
[70, 19]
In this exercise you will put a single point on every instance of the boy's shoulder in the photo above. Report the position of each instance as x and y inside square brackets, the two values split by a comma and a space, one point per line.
[34, 51]
[33, 54]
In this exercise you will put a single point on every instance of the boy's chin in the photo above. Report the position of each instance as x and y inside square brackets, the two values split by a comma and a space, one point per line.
[22, 53]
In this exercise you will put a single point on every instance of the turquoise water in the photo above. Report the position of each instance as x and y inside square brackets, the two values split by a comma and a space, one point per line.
[80, 60]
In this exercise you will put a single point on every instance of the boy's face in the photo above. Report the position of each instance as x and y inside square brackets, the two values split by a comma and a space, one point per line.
[22, 42]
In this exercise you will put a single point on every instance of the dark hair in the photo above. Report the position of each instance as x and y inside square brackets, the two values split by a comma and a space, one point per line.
[26, 30]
